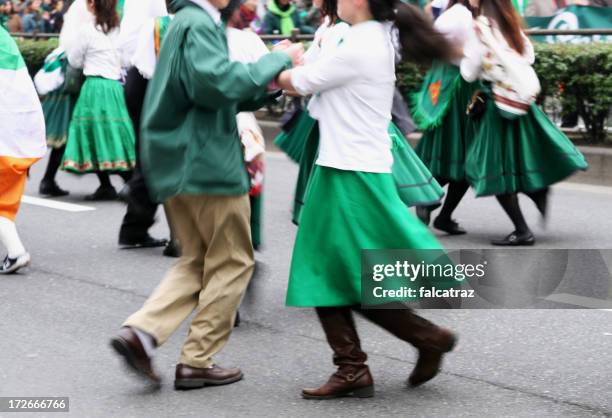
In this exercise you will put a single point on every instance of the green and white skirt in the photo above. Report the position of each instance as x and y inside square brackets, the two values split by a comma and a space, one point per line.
[448, 131]
[414, 183]
[345, 212]
[521, 155]
[101, 135]
[58, 108]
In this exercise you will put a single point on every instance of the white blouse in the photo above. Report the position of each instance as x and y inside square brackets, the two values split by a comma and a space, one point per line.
[96, 52]
[135, 14]
[457, 25]
[354, 87]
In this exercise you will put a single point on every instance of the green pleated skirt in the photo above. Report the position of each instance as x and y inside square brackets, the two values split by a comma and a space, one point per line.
[345, 212]
[414, 183]
[58, 108]
[442, 148]
[292, 142]
[101, 135]
[521, 155]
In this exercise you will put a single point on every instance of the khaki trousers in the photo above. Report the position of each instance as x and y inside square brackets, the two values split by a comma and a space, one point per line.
[210, 277]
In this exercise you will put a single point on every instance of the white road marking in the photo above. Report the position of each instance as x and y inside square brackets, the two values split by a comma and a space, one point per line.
[54, 204]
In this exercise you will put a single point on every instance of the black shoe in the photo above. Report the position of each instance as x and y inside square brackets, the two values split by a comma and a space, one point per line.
[102, 193]
[147, 242]
[11, 265]
[449, 226]
[516, 239]
[50, 188]
[172, 249]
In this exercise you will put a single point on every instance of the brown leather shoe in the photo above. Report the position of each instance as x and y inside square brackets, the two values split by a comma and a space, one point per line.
[430, 357]
[193, 378]
[347, 381]
[128, 345]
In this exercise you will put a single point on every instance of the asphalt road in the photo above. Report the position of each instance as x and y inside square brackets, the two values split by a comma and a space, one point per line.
[57, 318]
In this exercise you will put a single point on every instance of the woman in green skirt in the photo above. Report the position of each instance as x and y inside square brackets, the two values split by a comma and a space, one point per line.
[413, 180]
[439, 111]
[522, 151]
[101, 136]
[57, 106]
[352, 202]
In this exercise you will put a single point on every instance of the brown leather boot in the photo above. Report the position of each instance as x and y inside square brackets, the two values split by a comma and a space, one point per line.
[353, 377]
[431, 341]
[347, 381]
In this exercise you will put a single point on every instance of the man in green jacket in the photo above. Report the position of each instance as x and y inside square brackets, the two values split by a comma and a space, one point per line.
[282, 17]
[192, 159]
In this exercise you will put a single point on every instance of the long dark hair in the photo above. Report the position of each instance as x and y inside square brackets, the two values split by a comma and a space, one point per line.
[106, 14]
[419, 40]
[507, 19]
[329, 9]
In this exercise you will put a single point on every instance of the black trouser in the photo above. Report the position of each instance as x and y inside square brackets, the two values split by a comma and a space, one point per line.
[139, 218]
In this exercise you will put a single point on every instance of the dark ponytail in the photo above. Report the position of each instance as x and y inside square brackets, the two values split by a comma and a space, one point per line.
[106, 14]
[329, 9]
[420, 41]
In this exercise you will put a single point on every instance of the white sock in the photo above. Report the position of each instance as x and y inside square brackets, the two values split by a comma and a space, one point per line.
[10, 238]
[147, 341]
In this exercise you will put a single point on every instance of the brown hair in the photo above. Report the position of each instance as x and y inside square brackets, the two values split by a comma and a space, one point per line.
[329, 9]
[106, 14]
[419, 40]
[507, 19]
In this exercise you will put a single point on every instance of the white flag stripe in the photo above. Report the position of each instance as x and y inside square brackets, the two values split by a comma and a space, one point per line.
[54, 204]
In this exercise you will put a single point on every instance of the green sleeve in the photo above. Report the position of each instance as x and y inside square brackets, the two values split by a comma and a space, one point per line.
[212, 81]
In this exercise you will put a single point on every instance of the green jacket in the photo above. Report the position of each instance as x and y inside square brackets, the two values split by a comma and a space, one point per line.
[190, 142]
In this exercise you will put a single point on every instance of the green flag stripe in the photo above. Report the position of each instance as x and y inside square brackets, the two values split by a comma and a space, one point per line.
[10, 57]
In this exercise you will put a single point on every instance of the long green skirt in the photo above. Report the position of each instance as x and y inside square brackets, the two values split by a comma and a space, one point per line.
[292, 142]
[101, 135]
[521, 155]
[415, 184]
[345, 212]
[443, 146]
[58, 108]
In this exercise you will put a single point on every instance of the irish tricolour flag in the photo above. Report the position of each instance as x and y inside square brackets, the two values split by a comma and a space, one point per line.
[22, 125]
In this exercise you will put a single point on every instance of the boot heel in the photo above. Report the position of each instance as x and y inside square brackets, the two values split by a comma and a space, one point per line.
[366, 392]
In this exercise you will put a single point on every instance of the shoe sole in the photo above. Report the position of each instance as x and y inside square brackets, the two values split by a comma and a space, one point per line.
[135, 246]
[188, 384]
[522, 244]
[121, 348]
[17, 267]
[366, 392]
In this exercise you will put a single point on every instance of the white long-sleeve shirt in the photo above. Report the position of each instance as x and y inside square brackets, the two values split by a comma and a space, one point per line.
[96, 52]
[355, 88]
[457, 25]
[135, 14]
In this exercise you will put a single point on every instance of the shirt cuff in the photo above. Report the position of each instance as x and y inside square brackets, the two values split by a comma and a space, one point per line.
[300, 81]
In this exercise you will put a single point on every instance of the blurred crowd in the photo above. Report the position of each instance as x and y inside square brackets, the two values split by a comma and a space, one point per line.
[29, 16]
[273, 17]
